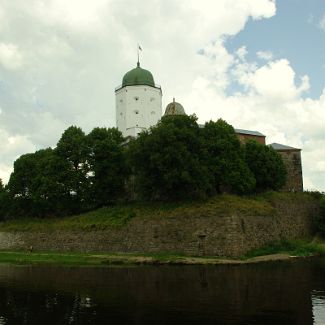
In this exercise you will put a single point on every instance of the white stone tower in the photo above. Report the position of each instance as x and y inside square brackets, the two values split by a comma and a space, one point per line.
[138, 102]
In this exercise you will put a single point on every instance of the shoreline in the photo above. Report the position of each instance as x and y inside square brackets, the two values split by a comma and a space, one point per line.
[102, 260]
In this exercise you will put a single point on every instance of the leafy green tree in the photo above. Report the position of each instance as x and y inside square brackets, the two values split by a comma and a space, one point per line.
[267, 166]
[73, 148]
[2, 188]
[37, 185]
[224, 158]
[166, 160]
[107, 165]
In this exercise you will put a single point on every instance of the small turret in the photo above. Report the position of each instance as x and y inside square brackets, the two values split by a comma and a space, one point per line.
[174, 108]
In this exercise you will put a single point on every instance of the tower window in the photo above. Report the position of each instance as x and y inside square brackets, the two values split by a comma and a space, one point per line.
[136, 112]
[152, 99]
[121, 100]
[136, 98]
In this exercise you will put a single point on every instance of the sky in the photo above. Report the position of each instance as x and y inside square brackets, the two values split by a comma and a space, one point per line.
[258, 64]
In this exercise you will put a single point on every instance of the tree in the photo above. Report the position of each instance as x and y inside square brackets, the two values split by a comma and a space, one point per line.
[106, 165]
[37, 185]
[166, 160]
[266, 165]
[1, 186]
[73, 148]
[224, 158]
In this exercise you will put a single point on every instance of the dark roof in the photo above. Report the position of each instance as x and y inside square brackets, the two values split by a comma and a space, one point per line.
[278, 146]
[138, 76]
[256, 133]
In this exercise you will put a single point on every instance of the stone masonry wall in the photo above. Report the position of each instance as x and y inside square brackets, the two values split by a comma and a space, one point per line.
[209, 235]
[292, 160]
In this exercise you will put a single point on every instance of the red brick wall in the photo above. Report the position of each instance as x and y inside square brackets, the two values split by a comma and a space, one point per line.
[243, 138]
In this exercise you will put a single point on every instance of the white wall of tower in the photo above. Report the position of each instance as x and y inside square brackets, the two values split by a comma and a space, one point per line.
[137, 108]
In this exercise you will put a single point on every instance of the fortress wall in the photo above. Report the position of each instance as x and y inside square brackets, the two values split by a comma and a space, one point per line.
[204, 235]
[292, 160]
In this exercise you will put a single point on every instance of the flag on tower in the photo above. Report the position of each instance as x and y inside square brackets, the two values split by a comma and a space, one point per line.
[139, 47]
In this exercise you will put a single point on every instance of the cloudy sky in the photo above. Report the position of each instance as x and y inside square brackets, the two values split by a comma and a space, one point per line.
[258, 64]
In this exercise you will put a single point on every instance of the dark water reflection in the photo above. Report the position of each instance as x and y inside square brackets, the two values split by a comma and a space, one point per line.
[277, 293]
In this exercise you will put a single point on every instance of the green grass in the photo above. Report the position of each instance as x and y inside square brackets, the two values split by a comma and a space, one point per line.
[91, 259]
[291, 247]
[24, 258]
[120, 215]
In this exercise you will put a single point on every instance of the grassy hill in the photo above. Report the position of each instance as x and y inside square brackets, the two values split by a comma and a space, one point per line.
[120, 215]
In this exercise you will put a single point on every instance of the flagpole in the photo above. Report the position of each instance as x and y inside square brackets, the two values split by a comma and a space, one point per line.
[139, 49]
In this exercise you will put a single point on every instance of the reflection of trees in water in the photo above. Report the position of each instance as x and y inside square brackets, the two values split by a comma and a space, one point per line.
[264, 294]
[22, 307]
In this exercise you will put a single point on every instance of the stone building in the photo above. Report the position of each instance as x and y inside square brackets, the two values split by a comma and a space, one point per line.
[138, 102]
[292, 159]
[139, 106]
[246, 135]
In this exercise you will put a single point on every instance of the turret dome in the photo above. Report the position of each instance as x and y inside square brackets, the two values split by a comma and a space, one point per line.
[174, 108]
[138, 76]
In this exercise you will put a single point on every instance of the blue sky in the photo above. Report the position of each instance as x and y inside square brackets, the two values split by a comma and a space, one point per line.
[293, 33]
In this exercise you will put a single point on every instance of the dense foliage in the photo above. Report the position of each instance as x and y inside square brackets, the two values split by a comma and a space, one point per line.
[224, 158]
[107, 165]
[83, 172]
[267, 166]
[167, 160]
[176, 159]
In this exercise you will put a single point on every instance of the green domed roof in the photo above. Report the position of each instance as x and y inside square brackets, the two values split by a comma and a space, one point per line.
[174, 108]
[138, 76]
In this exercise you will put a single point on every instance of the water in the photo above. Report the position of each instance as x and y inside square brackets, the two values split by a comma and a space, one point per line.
[272, 293]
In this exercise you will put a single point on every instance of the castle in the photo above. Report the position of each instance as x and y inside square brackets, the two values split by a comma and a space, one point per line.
[139, 106]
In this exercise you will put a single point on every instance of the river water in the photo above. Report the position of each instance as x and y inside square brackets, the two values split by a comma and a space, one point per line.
[270, 293]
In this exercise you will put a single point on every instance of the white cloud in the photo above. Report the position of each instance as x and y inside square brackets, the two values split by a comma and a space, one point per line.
[276, 81]
[265, 55]
[321, 23]
[241, 53]
[10, 57]
[5, 171]
[78, 14]
[11, 147]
